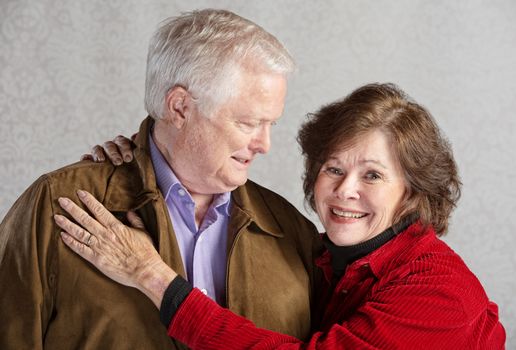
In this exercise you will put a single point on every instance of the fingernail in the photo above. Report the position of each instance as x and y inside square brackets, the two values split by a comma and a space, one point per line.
[81, 194]
[117, 161]
[63, 202]
[59, 218]
[127, 159]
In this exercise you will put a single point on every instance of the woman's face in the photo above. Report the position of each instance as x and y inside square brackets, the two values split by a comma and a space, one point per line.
[358, 190]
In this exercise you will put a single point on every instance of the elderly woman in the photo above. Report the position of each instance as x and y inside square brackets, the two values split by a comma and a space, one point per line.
[383, 181]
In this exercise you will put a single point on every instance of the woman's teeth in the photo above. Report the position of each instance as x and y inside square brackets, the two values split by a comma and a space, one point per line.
[347, 214]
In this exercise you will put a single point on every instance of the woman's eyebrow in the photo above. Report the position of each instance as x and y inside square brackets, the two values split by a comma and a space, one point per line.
[374, 161]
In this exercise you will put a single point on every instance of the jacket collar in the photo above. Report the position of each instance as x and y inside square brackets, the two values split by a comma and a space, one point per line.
[249, 207]
[143, 159]
[134, 184]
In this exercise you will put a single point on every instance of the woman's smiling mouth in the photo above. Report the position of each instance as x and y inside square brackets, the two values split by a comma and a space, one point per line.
[347, 214]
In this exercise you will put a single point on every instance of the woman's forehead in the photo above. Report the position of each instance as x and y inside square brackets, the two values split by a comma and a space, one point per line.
[374, 147]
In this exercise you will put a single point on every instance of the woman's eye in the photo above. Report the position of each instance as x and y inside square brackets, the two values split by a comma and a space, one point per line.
[332, 171]
[372, 176]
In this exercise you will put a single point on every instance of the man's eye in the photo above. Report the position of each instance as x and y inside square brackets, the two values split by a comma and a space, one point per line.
[247, 127]
[332, 171]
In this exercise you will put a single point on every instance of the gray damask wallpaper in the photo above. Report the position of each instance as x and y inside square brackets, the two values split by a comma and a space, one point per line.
[72, 75]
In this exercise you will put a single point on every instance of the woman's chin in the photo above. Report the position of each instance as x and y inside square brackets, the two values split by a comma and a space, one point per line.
[344, 238]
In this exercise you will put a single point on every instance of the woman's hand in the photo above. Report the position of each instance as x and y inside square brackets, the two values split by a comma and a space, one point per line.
[124, 254]
[117, 151]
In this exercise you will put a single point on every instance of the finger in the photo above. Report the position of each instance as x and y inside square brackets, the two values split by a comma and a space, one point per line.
[87, 156]
[78, 247]
[104, 217]
[112, 152]
[135, 220]
[97, 154]
[73, 230]
[125, 146]
[82, 217]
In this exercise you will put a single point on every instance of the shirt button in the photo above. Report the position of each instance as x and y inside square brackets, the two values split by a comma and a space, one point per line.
[181, 192]
[204, 291]
[344, 291]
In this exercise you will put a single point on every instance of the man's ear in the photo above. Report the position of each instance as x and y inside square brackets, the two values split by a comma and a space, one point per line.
[179, 106]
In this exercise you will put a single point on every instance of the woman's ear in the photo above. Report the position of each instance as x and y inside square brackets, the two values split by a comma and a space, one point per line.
[179, 106]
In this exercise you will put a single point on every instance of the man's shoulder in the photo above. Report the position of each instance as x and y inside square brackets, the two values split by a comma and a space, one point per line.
[81, 168]
[96, 178]
[256, 191]
[84, 173]
[256, 198]
[250, 185]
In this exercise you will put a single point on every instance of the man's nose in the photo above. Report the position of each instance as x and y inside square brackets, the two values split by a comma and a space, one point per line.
[261, 142]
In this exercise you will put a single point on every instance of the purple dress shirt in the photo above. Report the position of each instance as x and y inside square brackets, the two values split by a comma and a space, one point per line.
[203, 249]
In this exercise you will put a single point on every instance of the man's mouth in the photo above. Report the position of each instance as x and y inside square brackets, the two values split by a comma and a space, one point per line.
[347, 214]
[242, 160]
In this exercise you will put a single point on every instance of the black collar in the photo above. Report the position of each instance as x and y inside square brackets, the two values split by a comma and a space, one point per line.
[342, 256]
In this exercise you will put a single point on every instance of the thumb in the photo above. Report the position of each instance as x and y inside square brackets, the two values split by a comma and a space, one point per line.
[135, 220]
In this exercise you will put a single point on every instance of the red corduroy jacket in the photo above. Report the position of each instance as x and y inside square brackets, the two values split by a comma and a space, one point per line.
[414, 292]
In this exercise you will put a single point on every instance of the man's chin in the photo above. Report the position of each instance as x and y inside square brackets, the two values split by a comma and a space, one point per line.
[228, 184]
[235, 184]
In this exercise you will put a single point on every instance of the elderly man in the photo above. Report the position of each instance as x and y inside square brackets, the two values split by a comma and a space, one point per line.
[215, 84]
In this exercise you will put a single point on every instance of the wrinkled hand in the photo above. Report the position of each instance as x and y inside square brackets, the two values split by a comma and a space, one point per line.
[117, 151]
[124, 254]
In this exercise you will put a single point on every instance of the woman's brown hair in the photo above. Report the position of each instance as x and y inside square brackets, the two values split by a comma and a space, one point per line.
[423, 152]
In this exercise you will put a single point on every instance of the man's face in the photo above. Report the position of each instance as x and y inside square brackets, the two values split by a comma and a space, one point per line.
[213, 154]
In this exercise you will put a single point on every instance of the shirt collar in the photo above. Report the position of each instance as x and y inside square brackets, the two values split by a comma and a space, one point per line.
[167, 180]
[221, 202]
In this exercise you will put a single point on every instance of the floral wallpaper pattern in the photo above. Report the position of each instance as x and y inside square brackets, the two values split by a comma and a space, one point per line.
[72, 75]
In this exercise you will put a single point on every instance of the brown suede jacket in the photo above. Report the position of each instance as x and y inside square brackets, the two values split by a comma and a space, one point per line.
[51, 298]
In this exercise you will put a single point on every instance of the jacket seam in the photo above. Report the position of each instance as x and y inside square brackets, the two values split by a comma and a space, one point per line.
[54, 242]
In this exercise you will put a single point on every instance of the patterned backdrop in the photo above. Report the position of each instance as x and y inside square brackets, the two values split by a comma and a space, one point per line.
[72, 75]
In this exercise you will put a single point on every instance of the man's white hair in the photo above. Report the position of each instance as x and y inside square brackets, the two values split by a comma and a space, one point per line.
[203, 51]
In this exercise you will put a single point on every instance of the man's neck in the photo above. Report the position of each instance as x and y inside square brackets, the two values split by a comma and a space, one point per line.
[202, 201]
